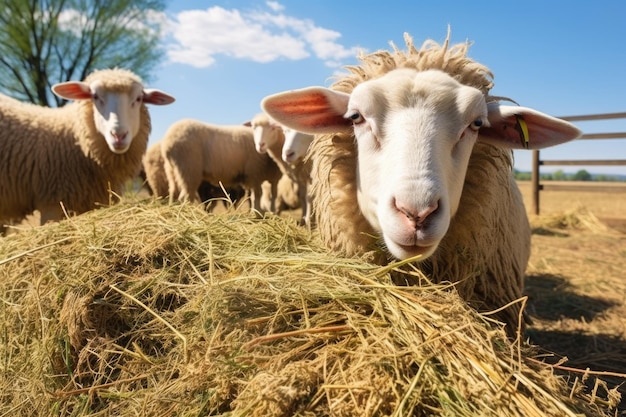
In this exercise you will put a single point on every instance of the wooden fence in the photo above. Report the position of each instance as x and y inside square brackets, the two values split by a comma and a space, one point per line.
[537, 162]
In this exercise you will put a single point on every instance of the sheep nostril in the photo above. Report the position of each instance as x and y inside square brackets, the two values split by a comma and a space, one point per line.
[417, 217]
[118, 136]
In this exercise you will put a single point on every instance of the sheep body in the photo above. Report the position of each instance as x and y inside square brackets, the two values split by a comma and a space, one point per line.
[156, 179]
[456, 202]
[153, 166]
[194, 151]
[73, 155]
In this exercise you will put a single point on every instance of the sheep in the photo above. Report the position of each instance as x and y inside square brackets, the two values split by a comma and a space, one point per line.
[75, 156]
[412, 161]
[157, 184]
[287, 195]
[194, 151]
[154, 171]
[294, 152]
[287, 148]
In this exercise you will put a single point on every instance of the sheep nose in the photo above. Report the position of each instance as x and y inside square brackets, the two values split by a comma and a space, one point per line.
[289, 155]
[415, 216]
[119, 136]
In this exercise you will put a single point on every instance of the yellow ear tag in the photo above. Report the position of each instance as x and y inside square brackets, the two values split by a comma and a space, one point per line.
[522, 128]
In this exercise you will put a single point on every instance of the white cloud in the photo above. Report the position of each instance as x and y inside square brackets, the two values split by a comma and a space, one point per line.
[76, 21]
[200, 36]
[275, 6]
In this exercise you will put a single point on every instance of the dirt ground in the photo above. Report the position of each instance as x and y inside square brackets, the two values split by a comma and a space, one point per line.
[576, 282]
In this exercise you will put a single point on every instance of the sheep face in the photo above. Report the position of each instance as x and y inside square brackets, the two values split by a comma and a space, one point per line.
[116, 107]
[296, 145]
[264, 134]
[414, 132]
[116, 115]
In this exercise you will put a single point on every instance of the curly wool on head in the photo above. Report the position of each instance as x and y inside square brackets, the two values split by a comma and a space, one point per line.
[451, 59]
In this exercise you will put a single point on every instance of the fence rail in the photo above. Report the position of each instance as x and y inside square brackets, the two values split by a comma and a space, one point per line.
[537, 186]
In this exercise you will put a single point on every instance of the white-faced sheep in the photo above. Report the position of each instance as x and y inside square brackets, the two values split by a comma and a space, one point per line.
[195, 151]
[412, 154]
[294, 152]
[154, 171]
[77, 154]
[287, 148]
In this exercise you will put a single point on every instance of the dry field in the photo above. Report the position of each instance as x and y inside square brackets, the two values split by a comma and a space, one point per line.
[576, 281]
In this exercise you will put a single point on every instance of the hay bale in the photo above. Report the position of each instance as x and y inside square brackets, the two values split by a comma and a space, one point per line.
[158, 310]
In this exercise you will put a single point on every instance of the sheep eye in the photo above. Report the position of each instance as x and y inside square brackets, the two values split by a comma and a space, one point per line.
[97, 99]
[356, 118]
[476, 124]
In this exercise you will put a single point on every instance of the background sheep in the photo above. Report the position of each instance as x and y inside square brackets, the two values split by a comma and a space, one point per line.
[287, 148]
[194, 151]
[156, 181]
[294, 152]
[153, 166]
[416, 157]
[76, 154]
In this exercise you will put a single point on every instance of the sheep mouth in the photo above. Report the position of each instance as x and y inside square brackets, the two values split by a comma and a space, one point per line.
[119, 147]
[416, 250]
[408, 250]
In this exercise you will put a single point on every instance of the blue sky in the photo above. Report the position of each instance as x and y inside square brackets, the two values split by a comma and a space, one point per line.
[562, 58]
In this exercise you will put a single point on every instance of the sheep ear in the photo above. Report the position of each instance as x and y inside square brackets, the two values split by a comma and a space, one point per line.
[309, 110]
[523, 128]
[156, 97]
[72, 90]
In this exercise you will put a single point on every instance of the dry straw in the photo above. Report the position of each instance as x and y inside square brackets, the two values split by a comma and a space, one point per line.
[578, 218]
[156, 310]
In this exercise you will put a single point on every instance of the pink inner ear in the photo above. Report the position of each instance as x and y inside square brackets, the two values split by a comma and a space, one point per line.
[543, 130]
[72, 90]
[311, 110]
[157, 97]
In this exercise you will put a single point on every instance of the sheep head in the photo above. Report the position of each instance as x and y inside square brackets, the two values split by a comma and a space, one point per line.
[116, 105]
[414, 132]
[266, 132]
[296, 145]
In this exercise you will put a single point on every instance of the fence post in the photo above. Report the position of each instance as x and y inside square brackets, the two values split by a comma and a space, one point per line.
[534, 179]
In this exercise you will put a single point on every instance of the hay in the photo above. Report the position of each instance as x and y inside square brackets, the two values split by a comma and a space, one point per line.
[578, 218]
[156, 310]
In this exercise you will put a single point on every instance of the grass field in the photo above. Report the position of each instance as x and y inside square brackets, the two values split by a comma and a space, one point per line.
[576, 280]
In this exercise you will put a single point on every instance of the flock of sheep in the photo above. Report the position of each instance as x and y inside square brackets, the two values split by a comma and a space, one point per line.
[406, 157]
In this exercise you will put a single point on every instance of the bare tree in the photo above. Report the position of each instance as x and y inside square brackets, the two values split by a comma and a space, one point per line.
[43, 42]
